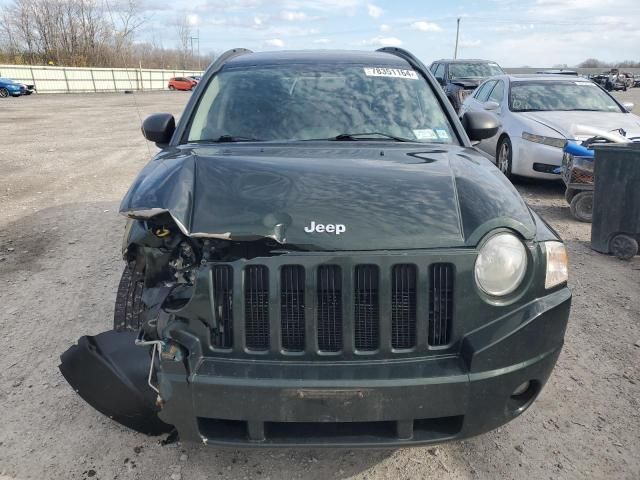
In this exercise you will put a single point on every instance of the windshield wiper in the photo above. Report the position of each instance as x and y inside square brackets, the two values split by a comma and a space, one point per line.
[367, 136]
[227, 139]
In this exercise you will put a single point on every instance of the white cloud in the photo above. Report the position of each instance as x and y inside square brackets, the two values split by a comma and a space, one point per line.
[385, 28]
[274, 42]
[193, 20]
[322, 41]
[293, 16]
[260, 20]
[374, 11]
[383, 41]
[426, 26]
[512, 28]
[469, 43]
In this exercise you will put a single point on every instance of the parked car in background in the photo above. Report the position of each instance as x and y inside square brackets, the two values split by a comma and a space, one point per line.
[459, 78]
[559, 71]
[540, 113]
[10, 88]
[182, 83]
[28, 89]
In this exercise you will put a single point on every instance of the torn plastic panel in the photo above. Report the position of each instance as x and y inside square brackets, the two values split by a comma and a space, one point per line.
[249, 192]
[110, 373]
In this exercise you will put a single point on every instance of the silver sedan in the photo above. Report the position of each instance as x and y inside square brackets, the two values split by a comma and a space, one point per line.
[540, 113]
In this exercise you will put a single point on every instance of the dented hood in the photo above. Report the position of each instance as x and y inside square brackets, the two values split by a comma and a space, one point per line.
[367, 197]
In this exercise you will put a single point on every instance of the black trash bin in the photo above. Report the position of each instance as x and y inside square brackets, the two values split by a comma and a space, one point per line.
[616, 203]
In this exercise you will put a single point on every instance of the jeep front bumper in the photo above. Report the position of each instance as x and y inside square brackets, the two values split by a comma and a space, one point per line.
[378, 403]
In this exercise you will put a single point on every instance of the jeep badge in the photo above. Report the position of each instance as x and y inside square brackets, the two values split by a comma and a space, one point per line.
[337, 228]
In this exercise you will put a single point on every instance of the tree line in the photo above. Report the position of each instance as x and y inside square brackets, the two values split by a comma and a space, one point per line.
[90, 33]
[595, 63]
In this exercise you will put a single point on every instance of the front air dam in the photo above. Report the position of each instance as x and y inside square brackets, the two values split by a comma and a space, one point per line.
[110, 373]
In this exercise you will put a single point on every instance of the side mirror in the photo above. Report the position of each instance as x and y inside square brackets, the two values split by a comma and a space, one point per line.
[490, 105]
[441, 81]
[480, 125]
[159, 128]
[628, 106]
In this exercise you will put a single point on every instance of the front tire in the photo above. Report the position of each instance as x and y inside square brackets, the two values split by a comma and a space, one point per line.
[129, 308]
[171, 87]
[504, 156]
[4, 93]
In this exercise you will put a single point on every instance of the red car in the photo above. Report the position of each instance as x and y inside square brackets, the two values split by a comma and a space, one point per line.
[182, 83]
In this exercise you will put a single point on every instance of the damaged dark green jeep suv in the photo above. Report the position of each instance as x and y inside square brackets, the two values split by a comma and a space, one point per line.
[319, 256]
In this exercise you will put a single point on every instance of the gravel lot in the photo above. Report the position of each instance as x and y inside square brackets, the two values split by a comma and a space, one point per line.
[64, 168]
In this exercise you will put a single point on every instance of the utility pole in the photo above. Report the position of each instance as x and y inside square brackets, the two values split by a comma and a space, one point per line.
[455, 52]
[197, 39]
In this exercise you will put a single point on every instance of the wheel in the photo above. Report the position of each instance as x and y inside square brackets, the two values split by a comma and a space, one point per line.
[4, 93]
[171, 87]
[582, 206]
[623, 246]
[129, 307]
[504, 156]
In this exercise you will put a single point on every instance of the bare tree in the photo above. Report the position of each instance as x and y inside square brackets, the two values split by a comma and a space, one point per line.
[184, 32]
[87, 33]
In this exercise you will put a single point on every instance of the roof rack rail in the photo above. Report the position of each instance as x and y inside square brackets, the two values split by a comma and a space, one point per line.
[228, 55]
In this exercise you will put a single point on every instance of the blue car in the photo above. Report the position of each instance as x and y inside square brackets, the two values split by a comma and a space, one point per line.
[10, 88]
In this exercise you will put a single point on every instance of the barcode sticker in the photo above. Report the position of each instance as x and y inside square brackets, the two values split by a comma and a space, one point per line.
[390, 72]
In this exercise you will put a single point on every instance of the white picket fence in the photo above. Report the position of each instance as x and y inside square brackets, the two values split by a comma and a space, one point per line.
[77, 80]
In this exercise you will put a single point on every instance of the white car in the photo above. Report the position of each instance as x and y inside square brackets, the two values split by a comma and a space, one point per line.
[540, 113]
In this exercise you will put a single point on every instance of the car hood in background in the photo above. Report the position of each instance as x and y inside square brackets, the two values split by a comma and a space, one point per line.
[565, 122]
[387, 197]
[467, 82]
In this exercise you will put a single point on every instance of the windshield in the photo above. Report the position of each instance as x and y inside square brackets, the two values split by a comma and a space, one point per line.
[303, 102]
[560, 96]
[474, 70]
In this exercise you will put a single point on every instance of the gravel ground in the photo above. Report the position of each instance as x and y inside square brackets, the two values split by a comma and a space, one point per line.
[64, 168]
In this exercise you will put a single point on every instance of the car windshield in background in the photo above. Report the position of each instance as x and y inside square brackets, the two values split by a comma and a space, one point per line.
[573, 95]
[302, 102]
[474, 70]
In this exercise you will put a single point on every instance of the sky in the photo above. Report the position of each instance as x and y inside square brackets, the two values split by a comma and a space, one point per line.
[515, 33]
[537, 33]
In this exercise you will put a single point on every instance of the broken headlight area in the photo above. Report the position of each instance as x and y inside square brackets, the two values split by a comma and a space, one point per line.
[162, 304]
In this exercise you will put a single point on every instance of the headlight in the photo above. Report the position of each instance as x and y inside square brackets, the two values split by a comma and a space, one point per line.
[551, 141]
[501, 265]
[557, 264]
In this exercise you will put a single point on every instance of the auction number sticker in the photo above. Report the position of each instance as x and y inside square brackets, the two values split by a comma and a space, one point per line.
[390, 72]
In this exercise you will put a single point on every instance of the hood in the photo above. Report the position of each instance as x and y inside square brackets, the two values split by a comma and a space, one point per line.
[566, 123]
[330, 197]
[467, 82]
